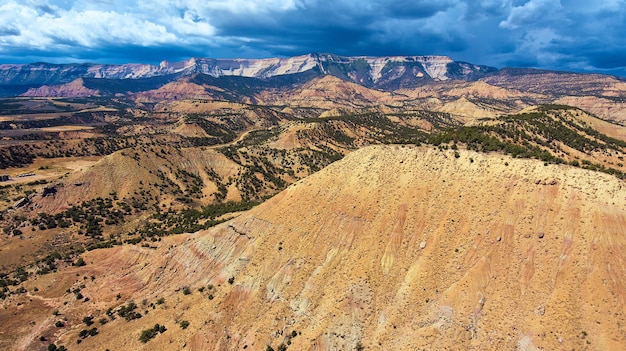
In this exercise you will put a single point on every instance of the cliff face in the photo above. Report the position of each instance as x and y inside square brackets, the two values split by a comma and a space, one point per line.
[370, 71]
[390, 248]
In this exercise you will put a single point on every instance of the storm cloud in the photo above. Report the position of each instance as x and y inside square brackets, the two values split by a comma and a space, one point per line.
[573, 35]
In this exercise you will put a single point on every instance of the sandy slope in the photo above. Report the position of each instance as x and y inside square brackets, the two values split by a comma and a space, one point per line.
[395, 248]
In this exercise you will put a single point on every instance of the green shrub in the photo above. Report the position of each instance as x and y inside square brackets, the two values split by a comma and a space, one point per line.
[88, 320]
[80, 262]
[148, 334]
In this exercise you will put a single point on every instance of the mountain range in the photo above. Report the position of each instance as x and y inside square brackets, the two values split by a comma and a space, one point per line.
[322, 80]
[377, 72]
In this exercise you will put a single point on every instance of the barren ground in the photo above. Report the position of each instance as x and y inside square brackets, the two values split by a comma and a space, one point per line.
[393, 247]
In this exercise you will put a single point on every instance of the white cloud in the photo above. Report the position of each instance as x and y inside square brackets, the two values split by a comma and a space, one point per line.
[209, 8]
[91, 23]
[188, 27]
[538, 43]
[253, 6]
[90, 28]
[533, 12]
[18, 17]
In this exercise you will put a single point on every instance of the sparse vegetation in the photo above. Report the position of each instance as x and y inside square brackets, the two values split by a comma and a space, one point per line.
[128, 311]
[88, 332]
[148, 334]
[53, 347]
[545, 135]
[181, 185]
[88, 320]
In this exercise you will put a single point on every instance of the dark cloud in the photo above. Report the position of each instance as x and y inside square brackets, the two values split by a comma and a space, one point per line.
[608, 60]
[397, 29]
[567, 34]
[413, 9]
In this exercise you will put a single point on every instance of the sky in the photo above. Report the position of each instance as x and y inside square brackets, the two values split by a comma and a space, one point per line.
[572, 35]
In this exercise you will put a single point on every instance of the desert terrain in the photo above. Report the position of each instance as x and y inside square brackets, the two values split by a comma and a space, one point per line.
[314, 203]
[478, 251]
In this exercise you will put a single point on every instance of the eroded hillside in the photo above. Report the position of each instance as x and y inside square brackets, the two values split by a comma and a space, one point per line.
[393, 247]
